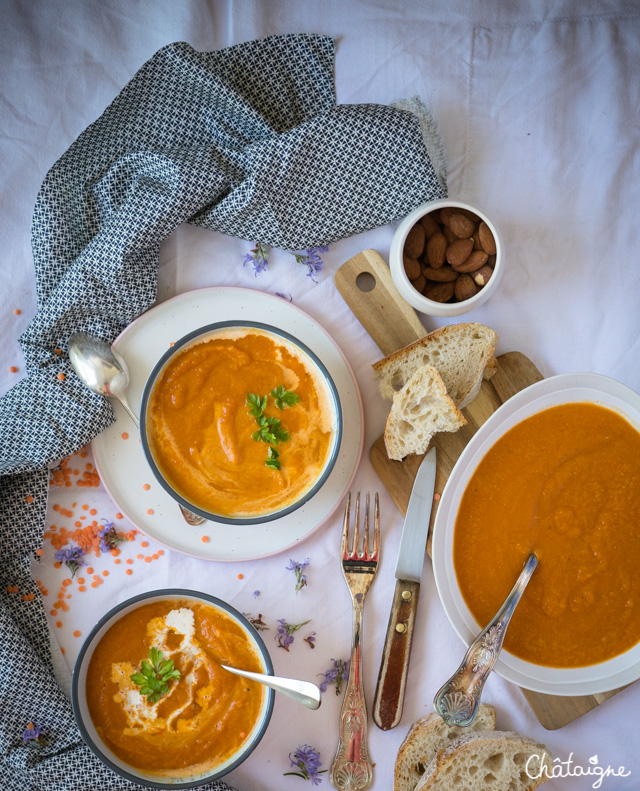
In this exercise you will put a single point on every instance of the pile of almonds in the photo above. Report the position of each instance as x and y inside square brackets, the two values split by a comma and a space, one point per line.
[449, 254]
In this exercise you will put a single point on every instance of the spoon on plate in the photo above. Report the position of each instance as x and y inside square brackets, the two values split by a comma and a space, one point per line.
[104, 372]
[301, 691]
[458, 700]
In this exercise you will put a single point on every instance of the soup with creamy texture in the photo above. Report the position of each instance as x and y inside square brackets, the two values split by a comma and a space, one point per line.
[204, 717]
[220, 451]
[565, 484]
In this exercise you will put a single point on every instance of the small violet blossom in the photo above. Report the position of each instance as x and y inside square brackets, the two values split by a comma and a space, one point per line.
[310, 640]
[297, 569]
[257, 258]
[307, 761]
[35, 734]
[256, 594]
[284, 635]
[109, 537]
[283, 296]
[72, 557]
[311, 259]
[335, 675]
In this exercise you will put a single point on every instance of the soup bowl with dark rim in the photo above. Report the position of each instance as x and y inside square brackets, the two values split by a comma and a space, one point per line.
[214, 397]
[120, 724]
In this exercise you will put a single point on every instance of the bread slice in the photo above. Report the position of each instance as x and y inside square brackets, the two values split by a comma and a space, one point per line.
[460, 352]
[419, 410]
[488, 761]
[426, 738]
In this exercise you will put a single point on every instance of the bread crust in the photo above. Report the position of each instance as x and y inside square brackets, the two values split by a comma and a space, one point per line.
[500, 755]
[425, 738]
[463, 353]
[422, 408]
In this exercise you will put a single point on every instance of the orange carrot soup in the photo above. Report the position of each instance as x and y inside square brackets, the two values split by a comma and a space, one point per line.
[205, 714]
[565, 484]
[240, 423]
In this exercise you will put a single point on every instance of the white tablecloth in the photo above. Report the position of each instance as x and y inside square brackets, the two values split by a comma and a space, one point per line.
[537, 105]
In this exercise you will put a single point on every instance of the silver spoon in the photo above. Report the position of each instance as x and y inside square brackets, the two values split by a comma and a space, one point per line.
[301, 691]
[104, 372]
[458, 700]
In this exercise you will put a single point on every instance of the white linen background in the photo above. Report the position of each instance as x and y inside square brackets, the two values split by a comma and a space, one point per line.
[537, 104]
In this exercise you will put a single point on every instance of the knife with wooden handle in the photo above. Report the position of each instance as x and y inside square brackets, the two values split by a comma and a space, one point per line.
[394, 666]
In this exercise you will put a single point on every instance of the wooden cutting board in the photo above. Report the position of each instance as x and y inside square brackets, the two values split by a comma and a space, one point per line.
[365, 283]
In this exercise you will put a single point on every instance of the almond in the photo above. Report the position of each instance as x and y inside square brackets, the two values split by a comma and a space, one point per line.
[473, 217]
[443, 275]
[414, 243]
[446, 213]
[411, 267]
[481, 276]
[477, 245]
[436, 250]
[461, 225]
[439, 292]
[419, 283]
[449, 235]
[486, 239]
[458, 252]
[472, 262]
[430, 225]
[465, 288]
[491, 261]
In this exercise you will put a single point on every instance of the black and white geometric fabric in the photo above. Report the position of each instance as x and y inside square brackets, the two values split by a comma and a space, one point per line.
[247, 141]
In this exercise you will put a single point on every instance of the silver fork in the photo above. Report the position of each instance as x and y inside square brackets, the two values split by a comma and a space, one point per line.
[352, 769]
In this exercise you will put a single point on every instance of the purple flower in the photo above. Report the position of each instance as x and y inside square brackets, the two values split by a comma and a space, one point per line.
[282, 296]
[307, 761]
[257, 258]
[335, 675]
[109, 537]
[310, 639]
[35, 734]
[311, 259]
[72, 557]
[284, 635]
[256, 594]
[297, 569]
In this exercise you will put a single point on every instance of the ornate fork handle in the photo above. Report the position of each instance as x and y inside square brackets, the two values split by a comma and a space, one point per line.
[352, 769]
[458, 700]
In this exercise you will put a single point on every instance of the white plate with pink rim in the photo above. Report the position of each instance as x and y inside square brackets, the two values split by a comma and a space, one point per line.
[123, 468]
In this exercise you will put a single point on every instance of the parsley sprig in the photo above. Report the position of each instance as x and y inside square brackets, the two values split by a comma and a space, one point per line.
[153, 678]
[284, 397]
[272, 459]
[270, 429]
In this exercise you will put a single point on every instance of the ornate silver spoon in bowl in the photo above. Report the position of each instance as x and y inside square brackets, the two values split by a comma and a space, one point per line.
[104, 372]
[301, 691]
[458, 700]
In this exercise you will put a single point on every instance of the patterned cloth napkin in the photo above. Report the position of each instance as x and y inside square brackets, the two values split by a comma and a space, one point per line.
[247, 141]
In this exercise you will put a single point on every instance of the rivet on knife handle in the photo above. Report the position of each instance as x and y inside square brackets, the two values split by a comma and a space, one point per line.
[394, 666]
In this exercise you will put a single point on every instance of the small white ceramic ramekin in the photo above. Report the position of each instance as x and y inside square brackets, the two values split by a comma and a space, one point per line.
[414, 297]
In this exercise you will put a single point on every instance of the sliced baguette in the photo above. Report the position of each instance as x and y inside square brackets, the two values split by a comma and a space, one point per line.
[419, 410]
[426, 738]
[488, 761]
[460, 352]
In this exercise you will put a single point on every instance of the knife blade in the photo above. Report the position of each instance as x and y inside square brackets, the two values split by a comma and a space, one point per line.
[394, 665]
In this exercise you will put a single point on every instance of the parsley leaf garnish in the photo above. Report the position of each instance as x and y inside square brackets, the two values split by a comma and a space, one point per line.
[272, 460]
[270, 429]
[284, 397]
[256, 404]
[153, 678]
